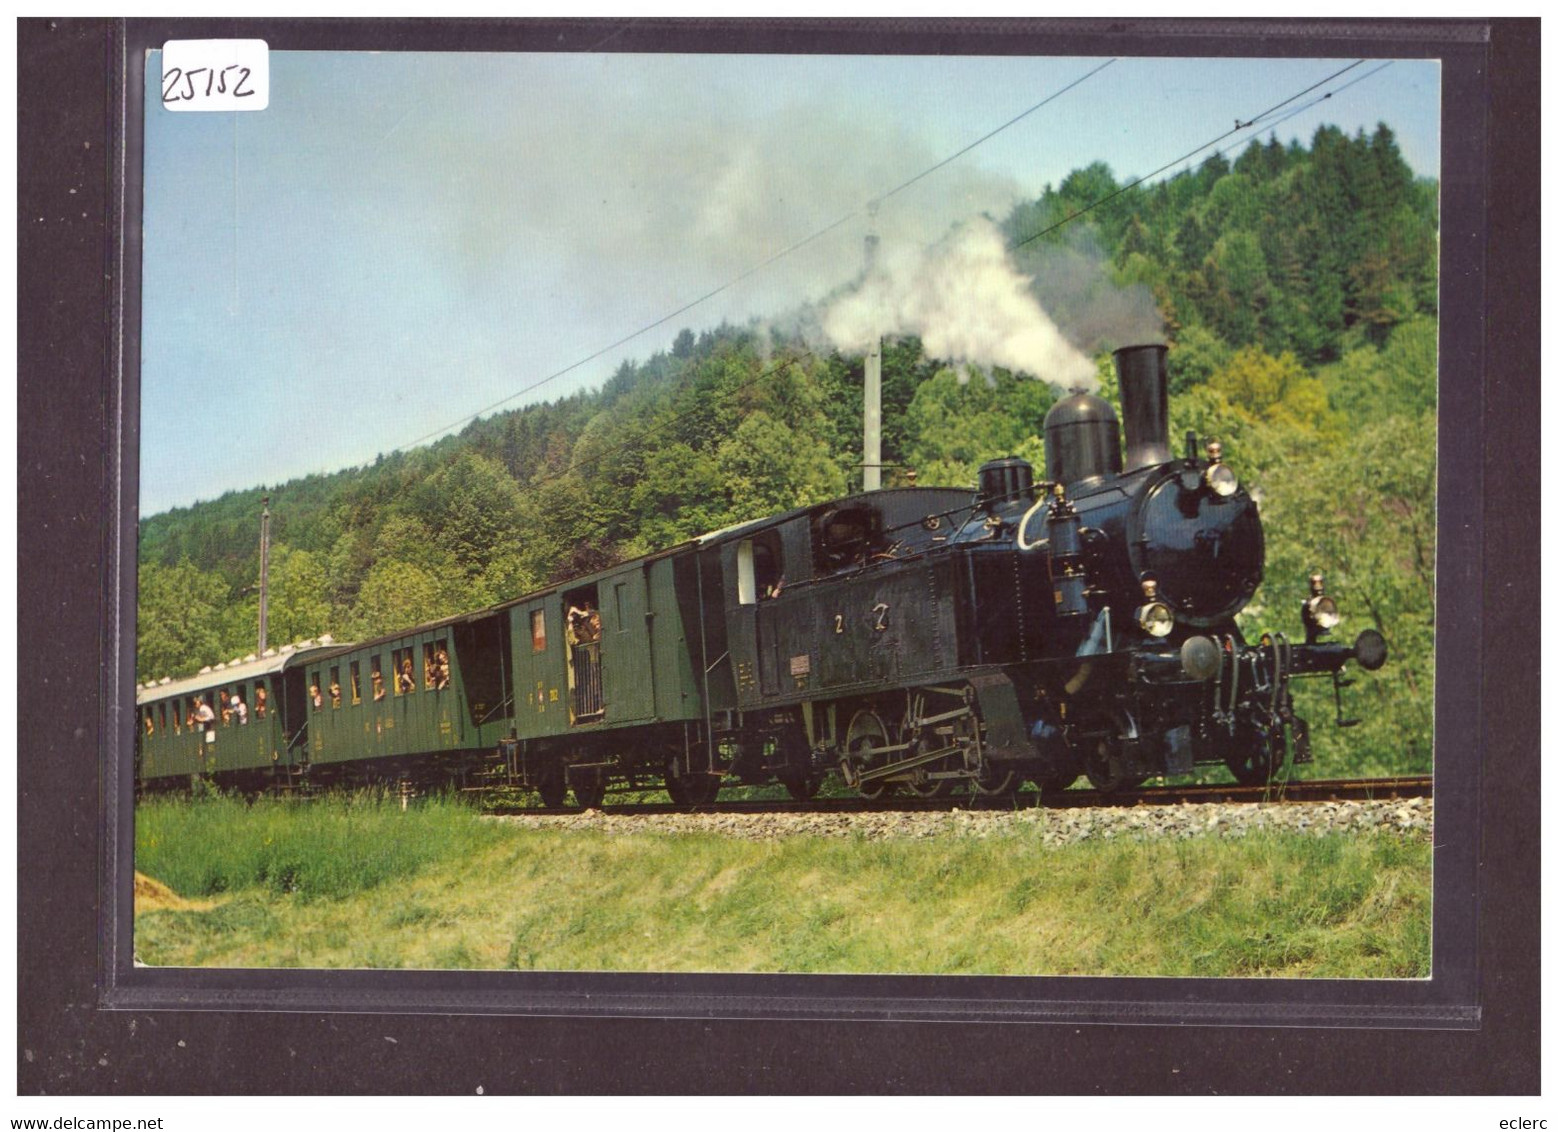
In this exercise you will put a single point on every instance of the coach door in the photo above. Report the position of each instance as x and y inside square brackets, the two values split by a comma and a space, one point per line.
[583, 627]
[627, 667]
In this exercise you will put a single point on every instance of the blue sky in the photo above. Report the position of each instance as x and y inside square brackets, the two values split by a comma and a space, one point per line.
[402, 239]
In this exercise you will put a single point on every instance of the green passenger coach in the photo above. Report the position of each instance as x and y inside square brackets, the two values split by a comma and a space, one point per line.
[242, 722]
[535, 692]
[616, 649]
[432, 697]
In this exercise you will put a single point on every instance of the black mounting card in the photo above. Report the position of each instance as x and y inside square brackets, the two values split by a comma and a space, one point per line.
[127, 405]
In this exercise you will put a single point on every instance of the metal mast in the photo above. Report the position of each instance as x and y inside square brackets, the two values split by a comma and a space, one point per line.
[264, 565]
[871, 457]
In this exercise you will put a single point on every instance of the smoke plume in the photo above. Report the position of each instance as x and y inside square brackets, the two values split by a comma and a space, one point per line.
[967, 303]
[629, 214]
[1072, 280]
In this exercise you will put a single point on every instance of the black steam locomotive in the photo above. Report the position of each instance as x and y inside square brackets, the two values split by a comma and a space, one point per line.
[911, 638]
[1083, 625]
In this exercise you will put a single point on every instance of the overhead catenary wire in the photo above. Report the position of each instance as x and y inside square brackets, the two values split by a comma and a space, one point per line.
[1310, 105]
[1239, 124]
[755, 268]
[1005, 125]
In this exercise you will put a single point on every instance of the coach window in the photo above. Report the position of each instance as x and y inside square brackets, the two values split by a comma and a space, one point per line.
[429, 667]
[316, 697]
[162, 718]
[356, 682]
[538, 630]
[405, 672]
[259, 699]
[768, 566]
[746, 574]
[376, 677]
[335, 685]
[441, 663]
[759, 570]
[146, 720]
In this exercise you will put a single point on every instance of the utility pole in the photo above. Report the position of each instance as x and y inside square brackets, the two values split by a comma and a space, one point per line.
[264, 565]
[871, 457]
[873, 439]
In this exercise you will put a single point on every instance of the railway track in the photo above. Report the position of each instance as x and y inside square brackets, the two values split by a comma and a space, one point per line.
[1324, 790]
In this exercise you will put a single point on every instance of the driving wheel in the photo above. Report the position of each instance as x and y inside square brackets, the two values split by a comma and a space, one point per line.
[866, 736]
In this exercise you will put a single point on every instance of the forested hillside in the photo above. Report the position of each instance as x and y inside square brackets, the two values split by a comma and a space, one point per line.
[1297, 288]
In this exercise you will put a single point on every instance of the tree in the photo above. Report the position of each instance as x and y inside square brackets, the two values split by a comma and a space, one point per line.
[471, 510]
[681, 495]
[1194, 356]
[298, 599]
[396, 595]
[1240, 287]
[956, 423]
[1192, 243]
[178, 622]
[767, 468]
[1276, 390]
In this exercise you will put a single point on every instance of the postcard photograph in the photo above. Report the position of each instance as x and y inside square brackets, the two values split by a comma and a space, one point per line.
[868, 514]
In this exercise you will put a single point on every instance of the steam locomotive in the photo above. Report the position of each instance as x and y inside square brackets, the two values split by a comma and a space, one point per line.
[916, 639]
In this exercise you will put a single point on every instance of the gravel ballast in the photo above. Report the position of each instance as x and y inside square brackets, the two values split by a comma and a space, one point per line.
[1408, 818]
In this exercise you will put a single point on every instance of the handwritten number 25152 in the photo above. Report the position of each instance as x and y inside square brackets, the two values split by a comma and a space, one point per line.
[215, 82]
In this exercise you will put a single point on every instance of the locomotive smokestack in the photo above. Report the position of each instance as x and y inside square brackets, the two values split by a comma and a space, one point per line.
[1144, 398]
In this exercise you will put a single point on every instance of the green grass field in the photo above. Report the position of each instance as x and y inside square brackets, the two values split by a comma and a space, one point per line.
[357, 883]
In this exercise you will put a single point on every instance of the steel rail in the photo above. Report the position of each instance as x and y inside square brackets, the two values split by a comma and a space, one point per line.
[1325, 790]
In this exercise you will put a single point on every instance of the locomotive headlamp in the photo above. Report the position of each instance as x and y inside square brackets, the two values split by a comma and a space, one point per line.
[1321, 613]
[1219, 477]
[1155, 617]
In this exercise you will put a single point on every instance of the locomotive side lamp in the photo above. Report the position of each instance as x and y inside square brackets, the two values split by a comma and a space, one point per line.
[1155, 617]
[1219, 477]
[1201, 658]
[1320, 612]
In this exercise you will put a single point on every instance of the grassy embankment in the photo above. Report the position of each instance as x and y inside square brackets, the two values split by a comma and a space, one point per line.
[357, 883]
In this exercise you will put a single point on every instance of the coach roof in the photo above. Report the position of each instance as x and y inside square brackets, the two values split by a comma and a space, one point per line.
[232, 672]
